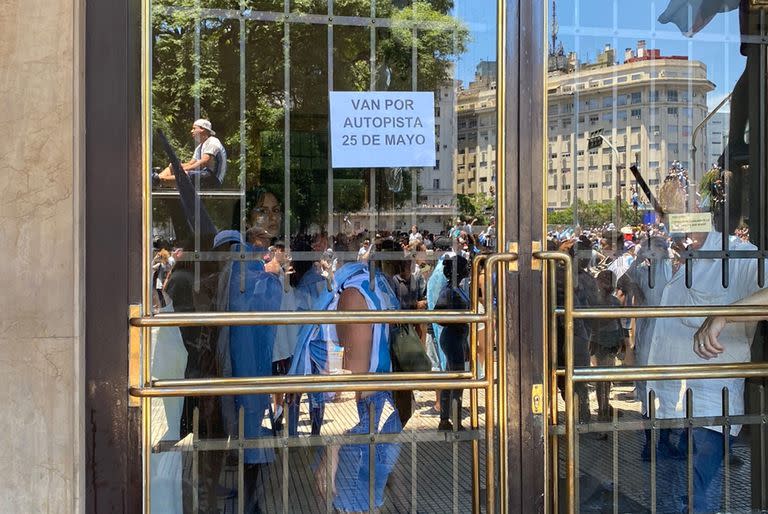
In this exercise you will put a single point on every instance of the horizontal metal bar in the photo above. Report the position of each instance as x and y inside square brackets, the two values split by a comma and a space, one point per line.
[275, 387]
[669, 312]
[226, 255]
[312, 379]
[426, 436]
[678, 372]
[224, 195]
[307, 317]
[317, 19]
[646, 424]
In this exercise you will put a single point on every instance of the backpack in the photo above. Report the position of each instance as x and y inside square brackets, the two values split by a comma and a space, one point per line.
[406, 350]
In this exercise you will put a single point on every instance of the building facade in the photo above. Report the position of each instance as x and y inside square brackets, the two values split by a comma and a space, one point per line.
[647, 108]
[717, 136]
[475, 154]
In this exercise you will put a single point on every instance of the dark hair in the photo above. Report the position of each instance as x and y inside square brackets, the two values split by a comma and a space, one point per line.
[457, 263]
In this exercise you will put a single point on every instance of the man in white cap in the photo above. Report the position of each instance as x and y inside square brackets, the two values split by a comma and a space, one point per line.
[209, 161]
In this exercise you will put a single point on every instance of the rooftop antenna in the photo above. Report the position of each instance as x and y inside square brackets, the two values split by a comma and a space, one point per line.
[555, 29]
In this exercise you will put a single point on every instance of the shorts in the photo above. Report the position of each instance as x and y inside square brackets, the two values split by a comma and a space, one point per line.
[604, 352]
[281, 367]
[207, 178]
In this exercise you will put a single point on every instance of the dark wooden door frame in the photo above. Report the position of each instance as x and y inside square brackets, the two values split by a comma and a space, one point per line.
[524, 100]
[113, 251]
[113, 257]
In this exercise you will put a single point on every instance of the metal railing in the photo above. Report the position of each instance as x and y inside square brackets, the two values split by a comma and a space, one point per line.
[200, 387]
[573, 375]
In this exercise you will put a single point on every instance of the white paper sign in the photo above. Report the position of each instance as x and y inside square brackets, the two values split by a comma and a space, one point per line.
[691, 222]
[382, 129]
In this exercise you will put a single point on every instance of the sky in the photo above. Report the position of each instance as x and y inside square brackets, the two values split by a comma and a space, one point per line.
[586, 26]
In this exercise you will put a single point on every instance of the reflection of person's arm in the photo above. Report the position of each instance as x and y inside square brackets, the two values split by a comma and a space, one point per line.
[356, 339]
[705, 342]
[195, 164]
[758, 298]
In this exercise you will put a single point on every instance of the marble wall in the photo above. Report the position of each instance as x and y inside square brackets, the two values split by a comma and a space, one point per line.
[40, 278]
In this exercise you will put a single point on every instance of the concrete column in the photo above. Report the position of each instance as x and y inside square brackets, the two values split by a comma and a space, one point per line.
[41, 343]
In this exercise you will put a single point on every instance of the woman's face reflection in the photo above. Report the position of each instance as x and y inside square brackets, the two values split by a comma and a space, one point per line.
[268, 215]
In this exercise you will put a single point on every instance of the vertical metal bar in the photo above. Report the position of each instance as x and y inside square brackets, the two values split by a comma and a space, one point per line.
[555, 457]
[146, 247]
[329, 479]
[196, 61]
[490, 327]
[688, 419]
[502, 388]
[287, 120]
[372, 173]
[652, 449]
[726, 451]
[414, 473]
[473, 394]
[688, 263]
[330, 229]
[372, 274]
[243, 149]
[763, 437]
[195, 460]
[570, 414]
[726, 241]
[762, 161]
[545, 366]
[243, 146]
[615, 440]
[371, 458]
[573, 494]
[285, 457]
[652, 273]
[455, 416]
[414, 87]
[196, 89]
[242, 495]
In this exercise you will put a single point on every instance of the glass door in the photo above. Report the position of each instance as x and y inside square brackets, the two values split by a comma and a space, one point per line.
[656, 264]
[322, 230]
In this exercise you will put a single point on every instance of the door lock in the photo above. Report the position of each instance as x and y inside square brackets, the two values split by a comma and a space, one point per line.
[537, 399]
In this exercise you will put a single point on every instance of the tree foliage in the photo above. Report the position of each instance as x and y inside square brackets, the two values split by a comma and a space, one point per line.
[256, 145]
[478, 205]
[593, 214]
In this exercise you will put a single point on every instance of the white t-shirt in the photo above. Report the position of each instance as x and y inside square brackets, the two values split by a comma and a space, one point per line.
[213, 147]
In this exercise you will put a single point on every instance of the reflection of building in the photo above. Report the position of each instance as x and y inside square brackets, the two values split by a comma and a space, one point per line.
[647, 107]
[476, 133]
[436, 184]
[717, 136]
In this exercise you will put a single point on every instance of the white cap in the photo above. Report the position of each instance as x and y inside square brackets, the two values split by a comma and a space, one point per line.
[204, 124]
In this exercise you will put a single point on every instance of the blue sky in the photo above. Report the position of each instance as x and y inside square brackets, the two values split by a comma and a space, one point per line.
[587, 25]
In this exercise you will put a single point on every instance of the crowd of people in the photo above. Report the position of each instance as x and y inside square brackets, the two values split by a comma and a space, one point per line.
[646, 265]
[259, 270]
[264, 269]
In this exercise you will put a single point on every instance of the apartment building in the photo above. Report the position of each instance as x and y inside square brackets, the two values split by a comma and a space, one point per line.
[475, 154]
[647, 107]
[717, 136]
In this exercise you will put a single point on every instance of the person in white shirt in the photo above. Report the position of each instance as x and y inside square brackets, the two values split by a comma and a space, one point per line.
[415, 235]
[670, 344]
[365, 251]
[208, 164]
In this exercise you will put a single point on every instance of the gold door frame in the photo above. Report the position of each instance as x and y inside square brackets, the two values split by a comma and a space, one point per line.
[574, 375]
[143, 388]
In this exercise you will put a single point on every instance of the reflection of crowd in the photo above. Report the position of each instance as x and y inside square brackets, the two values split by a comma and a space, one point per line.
[257, 271]
[646, 266]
